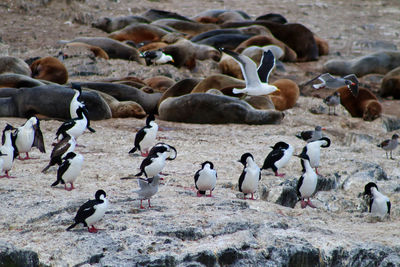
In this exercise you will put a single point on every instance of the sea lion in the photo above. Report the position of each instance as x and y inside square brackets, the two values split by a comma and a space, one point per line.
[190, 28]
[227, 41]
[183, 52]
[122, 109]
[287, 95]
[126, 93]
[228, 66]
[263, 40]
[323, 46]
[52, 101]
[15, 65]
[214, 109]
[152, 46]
[260, 102]
[18, 80]
[217, 81]
[295, 35]
[97, 51]
[139, 33]
[211, 33]
[218, 16]
[365, 105]
[113, 48]
[182, 87]
[380, 63]
[391, 84]
[156, 14]
[159, 83]
[113, 24]
[49, 69]
[273, 17]
[203, 52]
[256, 52]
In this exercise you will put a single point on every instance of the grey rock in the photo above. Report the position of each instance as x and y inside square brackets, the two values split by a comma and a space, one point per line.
[190, 233]
[390, 123]
[288, 197]
[207, 258]
[327, 183]
[11, 256]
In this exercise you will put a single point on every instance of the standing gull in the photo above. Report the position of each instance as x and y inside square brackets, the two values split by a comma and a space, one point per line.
[390, 145]
[148, 188]
[329, 81]
[332, 101]
[255, 85]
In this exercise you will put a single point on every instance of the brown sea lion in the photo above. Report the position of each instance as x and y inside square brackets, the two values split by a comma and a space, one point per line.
[15, 65]
[391, 84]
[51, 101]
[152, 46]
[97, 51]
[121, 109]
[139, 33]
[126, 93]
[218, 16]
[160, 83]
[113, 24]
[217, 81]
[113, 48]
[214, 109]
[263, 40]
[228, 66]
[260, 102]
[183, 52]
[18, 80]
[380, 63]
[323, 46]
[49, 69]
[287, 95]
[295, 35]
[365, 105]
[190, 28]
[182, 87]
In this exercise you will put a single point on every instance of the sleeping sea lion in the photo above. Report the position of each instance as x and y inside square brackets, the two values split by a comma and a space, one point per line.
[49, 69]
[15, 65]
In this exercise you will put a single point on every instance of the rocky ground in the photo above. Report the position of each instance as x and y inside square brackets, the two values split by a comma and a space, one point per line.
[181, 229]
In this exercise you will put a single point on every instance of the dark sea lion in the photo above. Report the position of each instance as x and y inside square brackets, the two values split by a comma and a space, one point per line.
[391, 84]
[182, 87]
[227, 41]
[52, 101]
[159, 83]
[139, 33]
[295, 35]
[217, 81]
[211, 33]
[126, 93]
[113, 48]
[214, 109]
[18, 80]
[155, 14]
[113, 24]
[260, 102]
[191, 28]
[379, 63]
[273, 17]
[365, 105]
[49, 69]
[15, 65]
[287, 95]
